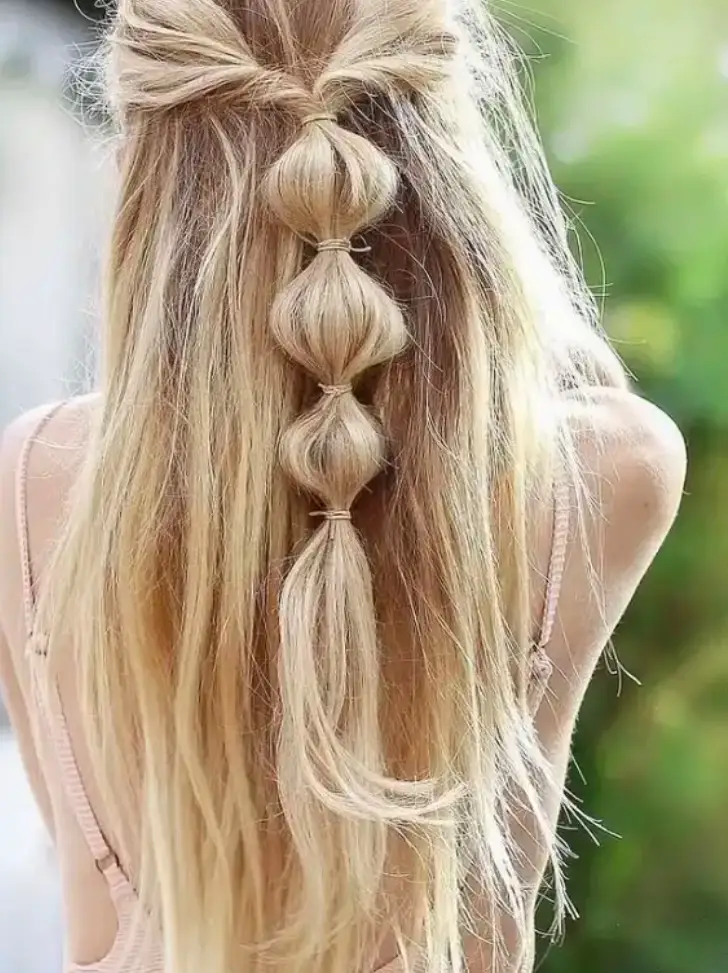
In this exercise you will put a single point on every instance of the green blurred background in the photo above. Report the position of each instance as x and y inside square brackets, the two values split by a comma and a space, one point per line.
[632, 99]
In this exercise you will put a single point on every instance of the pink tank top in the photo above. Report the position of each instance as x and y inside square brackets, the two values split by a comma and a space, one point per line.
[138, 944]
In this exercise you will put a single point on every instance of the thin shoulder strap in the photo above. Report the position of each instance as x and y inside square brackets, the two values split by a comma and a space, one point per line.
[21, 509]
[557, 560]
[105, 858]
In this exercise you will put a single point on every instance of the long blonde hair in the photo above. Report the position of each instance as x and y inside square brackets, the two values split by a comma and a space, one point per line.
[331, 295]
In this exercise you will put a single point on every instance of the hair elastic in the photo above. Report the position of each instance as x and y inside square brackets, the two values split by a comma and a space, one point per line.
[327, 245]
[342, 245]
[336, 390]
[322, 116]
[331, 515]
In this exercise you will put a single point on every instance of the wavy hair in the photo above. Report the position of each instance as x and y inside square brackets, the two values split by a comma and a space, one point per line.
[296, 572]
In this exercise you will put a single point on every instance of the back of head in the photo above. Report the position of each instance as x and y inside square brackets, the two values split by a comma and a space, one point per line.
[296, 575]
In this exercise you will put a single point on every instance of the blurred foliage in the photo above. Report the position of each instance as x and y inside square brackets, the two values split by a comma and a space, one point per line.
[632, 99]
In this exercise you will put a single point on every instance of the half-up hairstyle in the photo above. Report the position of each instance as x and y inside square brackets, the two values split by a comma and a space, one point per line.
[296, 575]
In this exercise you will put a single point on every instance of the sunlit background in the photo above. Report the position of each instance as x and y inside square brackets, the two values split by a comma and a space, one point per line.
[632, 97]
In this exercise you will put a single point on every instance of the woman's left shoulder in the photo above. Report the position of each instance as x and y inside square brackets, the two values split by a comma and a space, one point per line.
[40, 454]
[45, 435]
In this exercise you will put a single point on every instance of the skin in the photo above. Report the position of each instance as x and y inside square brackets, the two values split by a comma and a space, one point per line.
[634, 468]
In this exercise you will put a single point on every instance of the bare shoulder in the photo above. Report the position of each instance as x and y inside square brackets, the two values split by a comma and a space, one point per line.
[49, 444]
[634, 462]
[50, 437]
[633, 465]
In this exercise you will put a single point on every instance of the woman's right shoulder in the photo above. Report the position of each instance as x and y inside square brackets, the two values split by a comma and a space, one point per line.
[632, 462]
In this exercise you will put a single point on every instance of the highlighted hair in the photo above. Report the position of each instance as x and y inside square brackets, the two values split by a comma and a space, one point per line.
[327, 297]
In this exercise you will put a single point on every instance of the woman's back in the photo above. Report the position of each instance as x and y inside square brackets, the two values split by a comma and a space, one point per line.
[636, 465]
[288, 584]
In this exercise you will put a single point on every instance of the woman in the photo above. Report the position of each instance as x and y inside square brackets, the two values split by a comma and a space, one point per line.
[314, 586]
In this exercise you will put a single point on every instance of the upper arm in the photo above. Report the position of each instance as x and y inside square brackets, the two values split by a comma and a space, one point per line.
[16, 702]
[58, 436]
[15, 676]
[633, 466]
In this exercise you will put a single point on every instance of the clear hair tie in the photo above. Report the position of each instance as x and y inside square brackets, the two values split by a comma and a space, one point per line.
[332, 515]
[336, 390]
[344, 245]
[320, 116]
[327, 245]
